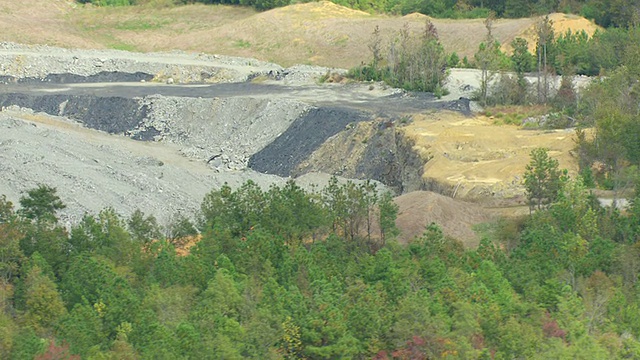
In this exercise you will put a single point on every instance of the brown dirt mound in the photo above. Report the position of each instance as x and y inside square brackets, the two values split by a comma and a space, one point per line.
[561, 24]
[456, 218]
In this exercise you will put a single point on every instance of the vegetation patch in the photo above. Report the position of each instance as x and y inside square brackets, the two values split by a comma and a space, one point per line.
[514, 115]
[242, 44]
[414, 62]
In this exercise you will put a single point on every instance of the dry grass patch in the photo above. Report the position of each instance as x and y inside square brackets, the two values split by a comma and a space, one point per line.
[146, 28]
[514, 114]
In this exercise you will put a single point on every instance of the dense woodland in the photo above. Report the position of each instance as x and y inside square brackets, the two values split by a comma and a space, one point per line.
[288, 274]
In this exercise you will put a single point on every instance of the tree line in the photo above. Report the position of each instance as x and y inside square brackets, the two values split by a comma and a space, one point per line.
[607, 13]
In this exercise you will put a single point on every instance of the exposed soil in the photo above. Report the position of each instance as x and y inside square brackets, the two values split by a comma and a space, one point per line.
[419, 209]
[472, 158]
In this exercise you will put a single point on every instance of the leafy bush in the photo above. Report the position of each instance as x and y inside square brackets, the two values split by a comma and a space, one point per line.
[453, 60]
[509, 90]
[413, 62]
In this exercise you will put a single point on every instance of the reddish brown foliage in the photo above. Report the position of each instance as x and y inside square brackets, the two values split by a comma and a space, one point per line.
[414, 350]
[550, 328]
[477, 340]
[55, 352]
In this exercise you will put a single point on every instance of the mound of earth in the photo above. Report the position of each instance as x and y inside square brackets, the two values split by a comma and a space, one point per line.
[374, 132]
[419, 209]
[561, 24]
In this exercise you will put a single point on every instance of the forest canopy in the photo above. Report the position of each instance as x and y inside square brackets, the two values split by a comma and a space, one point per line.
[284, 273]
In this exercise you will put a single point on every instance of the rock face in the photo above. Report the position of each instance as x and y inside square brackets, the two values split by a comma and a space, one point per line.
[374, 149]
[110, 114]
[306, 134]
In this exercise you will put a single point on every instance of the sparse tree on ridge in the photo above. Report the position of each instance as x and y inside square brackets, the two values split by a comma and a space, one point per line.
[484, 59]
[544, 31]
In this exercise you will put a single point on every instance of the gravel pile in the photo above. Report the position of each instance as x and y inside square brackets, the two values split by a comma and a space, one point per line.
[225, 131]
[22, 61]
[94, 170]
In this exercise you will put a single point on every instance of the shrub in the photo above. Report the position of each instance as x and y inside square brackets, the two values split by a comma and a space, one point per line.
[413, 62]
[509, 90]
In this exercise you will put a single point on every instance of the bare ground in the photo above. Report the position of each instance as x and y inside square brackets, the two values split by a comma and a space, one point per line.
[476, 159]
[419, 209]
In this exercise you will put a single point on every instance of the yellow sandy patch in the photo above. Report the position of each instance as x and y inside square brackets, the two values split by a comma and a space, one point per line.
[481, 159]
[561, 24]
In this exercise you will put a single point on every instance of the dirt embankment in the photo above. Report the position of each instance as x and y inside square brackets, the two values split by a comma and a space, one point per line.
[370, 150]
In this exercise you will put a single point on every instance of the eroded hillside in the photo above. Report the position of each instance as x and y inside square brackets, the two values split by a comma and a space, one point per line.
[317, 33]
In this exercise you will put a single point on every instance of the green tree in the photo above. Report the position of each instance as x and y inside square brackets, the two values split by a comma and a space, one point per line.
[26, 344]
[542, 179]
[413, 317]
[171, 305]
[106, 235]
[486, 59]
[416, 63]
[94, 281]
[43, 304]
[517, 8]
[545, 36]
[8, 331]
[143, 229]
[523, 62]
[41, 204]
[596, 291]
[290, 344]
[217, 316]
[180, 228]
[521, 58]
[11, 256]
[388, 215]
[83, 329]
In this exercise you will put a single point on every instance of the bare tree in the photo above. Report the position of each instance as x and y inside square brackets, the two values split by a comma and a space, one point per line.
[486, 59]
[544, 31]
